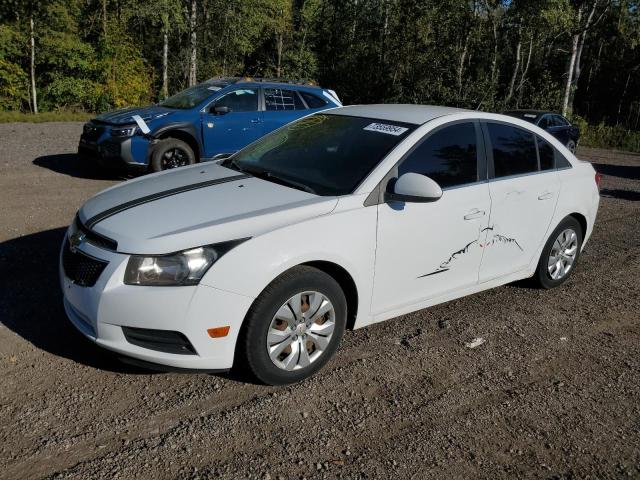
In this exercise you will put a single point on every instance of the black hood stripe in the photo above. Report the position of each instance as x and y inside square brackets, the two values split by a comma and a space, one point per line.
[91, 222]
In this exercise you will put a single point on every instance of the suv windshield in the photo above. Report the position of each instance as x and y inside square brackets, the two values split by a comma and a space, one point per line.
[323, 154]
[191, 97]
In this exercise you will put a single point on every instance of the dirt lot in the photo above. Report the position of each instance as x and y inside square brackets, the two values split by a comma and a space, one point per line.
[553, 393]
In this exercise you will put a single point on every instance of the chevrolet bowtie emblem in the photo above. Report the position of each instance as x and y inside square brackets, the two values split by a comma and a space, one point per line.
[76, 240]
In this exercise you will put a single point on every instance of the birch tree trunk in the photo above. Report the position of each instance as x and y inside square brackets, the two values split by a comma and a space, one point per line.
[193, 55]
[570, 69]
[515, 69]
[165, 61]
[280, 42]
[32, 41]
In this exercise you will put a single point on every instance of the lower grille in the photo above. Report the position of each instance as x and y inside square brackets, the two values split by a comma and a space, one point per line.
[80, 268]
[160, 340]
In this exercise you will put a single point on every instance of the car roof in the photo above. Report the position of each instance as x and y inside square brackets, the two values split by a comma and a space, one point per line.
[277, 82]
[523, 113]
[416, 114]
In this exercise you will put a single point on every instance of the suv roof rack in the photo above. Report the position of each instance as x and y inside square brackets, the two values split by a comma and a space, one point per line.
[230, 80]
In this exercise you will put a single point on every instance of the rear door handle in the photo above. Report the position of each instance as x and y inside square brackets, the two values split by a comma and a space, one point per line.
[255, 120]
[475, 213]
[545, 196]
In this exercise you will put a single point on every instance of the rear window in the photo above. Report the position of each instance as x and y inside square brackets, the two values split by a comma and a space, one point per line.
[313, 100]
[547, 155]
[281, 99]
[328, 154]
[514, 150]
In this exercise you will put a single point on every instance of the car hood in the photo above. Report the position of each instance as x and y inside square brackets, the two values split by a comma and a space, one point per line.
[124, 116]
[195, 206]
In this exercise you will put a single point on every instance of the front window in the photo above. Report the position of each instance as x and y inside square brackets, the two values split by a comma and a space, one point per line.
[191, 97]
[322, 154]
[241, 100]
[448, 156]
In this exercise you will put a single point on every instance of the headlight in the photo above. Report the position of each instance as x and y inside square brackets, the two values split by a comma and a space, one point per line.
[176, 269]
[123, 132]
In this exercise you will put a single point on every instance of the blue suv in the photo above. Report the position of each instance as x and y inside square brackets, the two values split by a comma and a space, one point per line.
[208, 121]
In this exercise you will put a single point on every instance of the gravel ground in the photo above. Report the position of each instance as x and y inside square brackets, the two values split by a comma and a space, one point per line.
[554, 392]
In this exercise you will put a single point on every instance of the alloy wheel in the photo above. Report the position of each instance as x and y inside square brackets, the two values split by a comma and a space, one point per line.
[301, 330]
[174, 158]
[563, 254]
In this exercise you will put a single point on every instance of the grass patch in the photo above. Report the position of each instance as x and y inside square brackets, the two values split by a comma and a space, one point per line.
[10, 117]
[610, 137]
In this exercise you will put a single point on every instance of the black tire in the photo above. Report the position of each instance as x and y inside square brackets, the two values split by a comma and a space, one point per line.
[571, 146]
[171, 153]
[542, 276]
[251, 351]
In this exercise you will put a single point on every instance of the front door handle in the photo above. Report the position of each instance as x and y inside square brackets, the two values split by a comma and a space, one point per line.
[475, 213]
[255, 120]
[545, 196]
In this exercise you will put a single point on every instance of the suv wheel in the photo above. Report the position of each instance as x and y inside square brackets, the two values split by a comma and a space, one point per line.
[171, 153]
[294, 327]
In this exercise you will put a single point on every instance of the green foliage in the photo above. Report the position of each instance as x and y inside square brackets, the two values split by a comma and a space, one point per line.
[58, 116]
[479, 54]
[604, 136]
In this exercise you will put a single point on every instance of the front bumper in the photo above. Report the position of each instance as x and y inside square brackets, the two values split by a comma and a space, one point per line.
[129, 153]
[101, 311]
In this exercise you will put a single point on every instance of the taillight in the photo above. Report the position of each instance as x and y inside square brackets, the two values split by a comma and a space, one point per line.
[598, 178]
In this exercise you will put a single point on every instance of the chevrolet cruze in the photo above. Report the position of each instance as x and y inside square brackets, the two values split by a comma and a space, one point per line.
[341, 219]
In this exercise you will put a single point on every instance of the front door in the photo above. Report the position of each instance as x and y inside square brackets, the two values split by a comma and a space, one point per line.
[523, 201]
[429, 249]
[232, 121]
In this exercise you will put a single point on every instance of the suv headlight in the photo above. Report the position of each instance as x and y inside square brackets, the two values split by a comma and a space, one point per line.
[124, 131]
[176, 269]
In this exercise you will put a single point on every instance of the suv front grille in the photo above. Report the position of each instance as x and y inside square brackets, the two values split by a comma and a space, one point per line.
[80, 268]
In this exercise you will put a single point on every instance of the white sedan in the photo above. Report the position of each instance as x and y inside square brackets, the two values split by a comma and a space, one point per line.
[339, 220]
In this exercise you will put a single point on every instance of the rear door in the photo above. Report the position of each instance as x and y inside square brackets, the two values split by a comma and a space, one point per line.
[229, 132]
[523, 200]
[281, 106]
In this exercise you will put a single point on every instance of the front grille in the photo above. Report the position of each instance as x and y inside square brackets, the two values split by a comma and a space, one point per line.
[95, 238]
[80, 268]
[92, 132]
[166, 341]
[109, 149]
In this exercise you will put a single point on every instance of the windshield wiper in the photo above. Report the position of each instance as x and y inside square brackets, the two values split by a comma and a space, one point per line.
[266, 175]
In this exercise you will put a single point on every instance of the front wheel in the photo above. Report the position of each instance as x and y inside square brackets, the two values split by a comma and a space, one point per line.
[171, 153]
[294, 327]
[560, 254]
[571, 146]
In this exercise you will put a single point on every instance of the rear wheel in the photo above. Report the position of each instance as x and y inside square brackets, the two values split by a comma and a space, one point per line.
[571, 146]
[294, 327]
[171, 153]
[560, 254]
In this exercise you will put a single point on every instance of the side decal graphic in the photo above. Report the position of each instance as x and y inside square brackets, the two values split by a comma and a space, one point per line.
[496, 238]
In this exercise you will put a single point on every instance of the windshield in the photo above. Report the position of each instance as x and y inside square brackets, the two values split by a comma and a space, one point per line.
[323, 154]
[191, 97]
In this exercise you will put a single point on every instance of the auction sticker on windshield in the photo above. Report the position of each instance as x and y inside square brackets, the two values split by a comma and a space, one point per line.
[384, 128]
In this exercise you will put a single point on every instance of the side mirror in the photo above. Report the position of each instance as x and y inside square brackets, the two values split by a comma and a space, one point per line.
[221, 110]
[414, 188]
